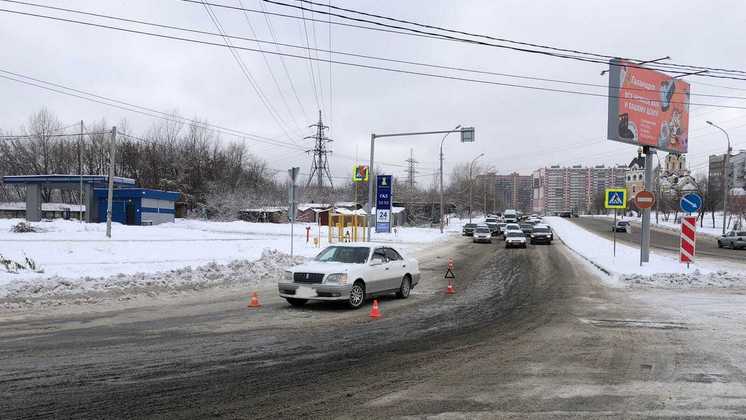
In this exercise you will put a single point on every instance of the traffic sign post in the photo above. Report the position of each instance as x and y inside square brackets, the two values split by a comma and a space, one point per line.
[292, 204]
[691, 203]
[383, 203]
[688, 239]
[644, 200]
[615, 198]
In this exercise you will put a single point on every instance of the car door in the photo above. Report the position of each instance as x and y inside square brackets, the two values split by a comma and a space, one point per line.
[378, 274]
[397, 269]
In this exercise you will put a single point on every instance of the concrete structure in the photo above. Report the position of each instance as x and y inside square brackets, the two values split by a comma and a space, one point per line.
[36, 183]
[17, 210]
[514, 191]
[137, 206]
[573, 189]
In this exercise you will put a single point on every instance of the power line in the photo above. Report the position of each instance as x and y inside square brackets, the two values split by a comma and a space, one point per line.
[282, 61]
[29, 136]
[482, 43]
[365, 56]
[247, 73]
[528, 44]
[358, 65]
[310, 62]
[271, 72]
[318, 67]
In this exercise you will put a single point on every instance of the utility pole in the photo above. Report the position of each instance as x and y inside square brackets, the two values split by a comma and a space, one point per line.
[110, 193]
[442, 204]
[320, 161]
[471, 182]
[725, 174]
[645, 237]
[411, 170]
[80, 171]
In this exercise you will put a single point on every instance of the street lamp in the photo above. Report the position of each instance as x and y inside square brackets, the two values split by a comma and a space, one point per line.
[471, 167]
[467, 136]
[725, 173]
[442, 206]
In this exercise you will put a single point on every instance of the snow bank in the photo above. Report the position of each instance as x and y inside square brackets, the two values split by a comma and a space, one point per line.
[265, 271]
[624, 269]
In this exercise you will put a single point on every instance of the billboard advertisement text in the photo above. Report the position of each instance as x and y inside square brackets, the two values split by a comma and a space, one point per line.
[647, 108]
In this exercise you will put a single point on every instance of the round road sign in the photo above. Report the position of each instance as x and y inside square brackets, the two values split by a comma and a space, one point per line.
[644, 200]
[691, 203]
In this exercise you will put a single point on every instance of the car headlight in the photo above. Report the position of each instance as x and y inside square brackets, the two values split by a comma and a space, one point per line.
[288, 276]
[336, 278]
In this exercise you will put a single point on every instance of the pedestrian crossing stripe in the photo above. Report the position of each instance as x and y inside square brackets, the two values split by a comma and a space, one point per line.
[616, 198]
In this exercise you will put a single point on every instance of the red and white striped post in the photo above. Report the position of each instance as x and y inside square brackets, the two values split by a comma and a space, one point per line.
[688, 239]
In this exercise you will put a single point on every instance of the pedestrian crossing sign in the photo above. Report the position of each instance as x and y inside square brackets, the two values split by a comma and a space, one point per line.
[615, 198]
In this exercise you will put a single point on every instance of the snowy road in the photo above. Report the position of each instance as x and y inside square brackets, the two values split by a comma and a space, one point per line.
[530, 333]
[661, 239]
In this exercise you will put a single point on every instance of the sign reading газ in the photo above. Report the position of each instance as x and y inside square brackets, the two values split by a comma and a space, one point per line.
[647, 108]
[383, 203]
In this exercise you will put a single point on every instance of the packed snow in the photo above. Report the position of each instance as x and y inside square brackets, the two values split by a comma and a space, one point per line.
[71, 258]
[624, 269]
[704, 227]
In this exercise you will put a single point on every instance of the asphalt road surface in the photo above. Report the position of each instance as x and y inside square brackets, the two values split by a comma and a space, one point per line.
[529, 333]
[659, 238]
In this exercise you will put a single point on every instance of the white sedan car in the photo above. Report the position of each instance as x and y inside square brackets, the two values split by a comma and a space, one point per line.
[351, 273]
[515, 238]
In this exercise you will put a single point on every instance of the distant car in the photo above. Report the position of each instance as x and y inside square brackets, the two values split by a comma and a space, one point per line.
[542, 234]
[482, 234]
[469, 229]
[621, 226]
[515, 238]
[501, 228]
[526, 228]
[350, 273]
[491, 222]
[733, 239]
[512, 226]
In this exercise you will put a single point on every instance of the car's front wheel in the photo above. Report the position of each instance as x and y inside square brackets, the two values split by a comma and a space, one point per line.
[720, 244]
[357, 295]
[405, 288]
[296, 302]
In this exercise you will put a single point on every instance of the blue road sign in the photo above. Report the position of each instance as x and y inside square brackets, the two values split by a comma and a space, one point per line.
[383, 203]
[616, 198]
[691, 203]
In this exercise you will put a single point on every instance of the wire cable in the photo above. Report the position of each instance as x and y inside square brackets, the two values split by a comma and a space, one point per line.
[358, 65]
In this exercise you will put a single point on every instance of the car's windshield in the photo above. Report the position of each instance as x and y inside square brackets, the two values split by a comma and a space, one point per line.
[490, 220]
[483, 230]
[470, 225]
[515, 234]
[344, 254]
[541, 230]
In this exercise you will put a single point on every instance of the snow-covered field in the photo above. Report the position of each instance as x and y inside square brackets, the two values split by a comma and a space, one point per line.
[624, 269]
[73, 258]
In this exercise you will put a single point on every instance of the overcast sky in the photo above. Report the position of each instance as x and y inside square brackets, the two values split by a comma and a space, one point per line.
[517, 129]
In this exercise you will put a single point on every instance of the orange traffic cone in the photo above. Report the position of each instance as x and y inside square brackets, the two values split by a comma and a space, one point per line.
[374, 312]
[254, 303]
[450, 290]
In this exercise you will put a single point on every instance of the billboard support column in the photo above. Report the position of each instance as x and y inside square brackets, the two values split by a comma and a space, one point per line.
[645, 235]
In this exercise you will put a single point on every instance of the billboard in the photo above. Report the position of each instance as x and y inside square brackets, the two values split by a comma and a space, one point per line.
[647, 108]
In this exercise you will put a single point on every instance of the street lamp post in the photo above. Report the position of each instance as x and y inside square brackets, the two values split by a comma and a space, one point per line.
[725, 173]
[467, 136]
[442, 205]
[471, 167]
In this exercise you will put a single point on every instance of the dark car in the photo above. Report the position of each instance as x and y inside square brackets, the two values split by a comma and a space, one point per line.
[469, 229]
[491, 222]
[542, 234]
[527, 228]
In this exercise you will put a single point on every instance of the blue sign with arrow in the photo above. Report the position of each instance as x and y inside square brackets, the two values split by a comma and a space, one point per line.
[691, 203]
